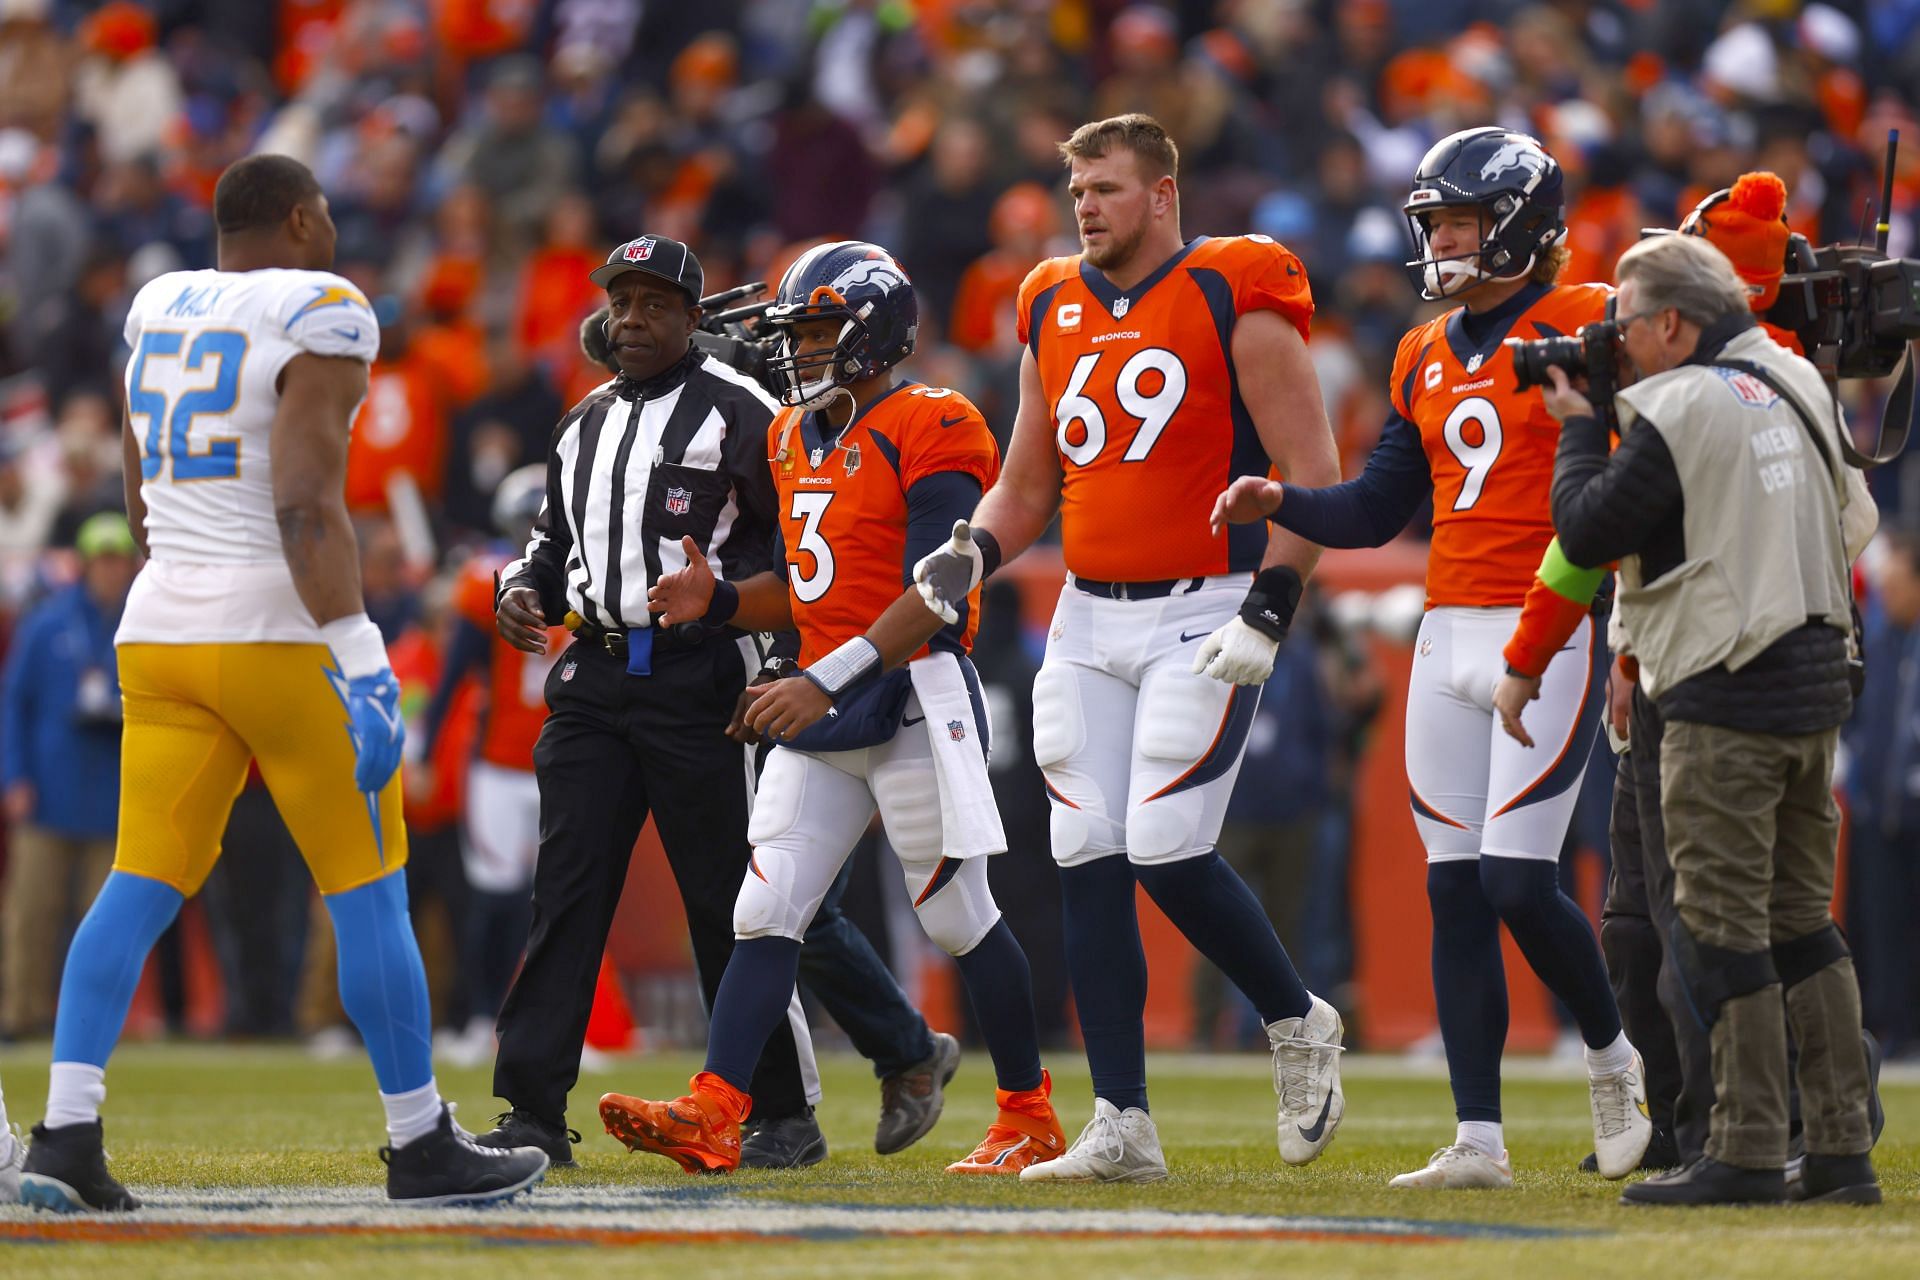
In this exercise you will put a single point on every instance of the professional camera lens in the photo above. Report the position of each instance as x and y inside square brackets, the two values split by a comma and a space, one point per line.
[1531, 360]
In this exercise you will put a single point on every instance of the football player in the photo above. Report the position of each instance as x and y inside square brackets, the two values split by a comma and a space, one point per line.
[884, 710]
[1486, 212]
[245, 638]
[1156, 371]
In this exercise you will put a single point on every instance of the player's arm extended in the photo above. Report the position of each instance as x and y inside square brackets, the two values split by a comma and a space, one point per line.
[318, 395]
[1021, 504]
[130, 478]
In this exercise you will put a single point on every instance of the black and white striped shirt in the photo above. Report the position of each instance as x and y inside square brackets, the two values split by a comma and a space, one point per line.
[635, 467]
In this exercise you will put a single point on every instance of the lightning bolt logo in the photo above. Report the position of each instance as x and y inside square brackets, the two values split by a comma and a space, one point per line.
[371, 798]
[334, 295]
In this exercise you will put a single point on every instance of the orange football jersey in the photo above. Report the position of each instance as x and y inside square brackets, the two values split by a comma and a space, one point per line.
[516, 681]
[843, 507]
[1490, 448]
[1146, 409]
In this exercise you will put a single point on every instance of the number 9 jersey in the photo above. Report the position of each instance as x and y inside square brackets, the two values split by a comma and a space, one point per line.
[1489, 448]
[202, 394]
[1146, 407]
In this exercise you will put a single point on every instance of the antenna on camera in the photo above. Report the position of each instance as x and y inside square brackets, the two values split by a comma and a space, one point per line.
[1885, 226]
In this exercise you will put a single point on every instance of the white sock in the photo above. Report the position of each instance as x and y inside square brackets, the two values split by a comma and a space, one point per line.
[413, 1114]
[3, 1112]
[1617, 1056]
[75, 1091]
[1485, 1136]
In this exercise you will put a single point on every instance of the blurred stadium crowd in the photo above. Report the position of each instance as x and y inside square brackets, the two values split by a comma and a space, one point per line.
[481, 155]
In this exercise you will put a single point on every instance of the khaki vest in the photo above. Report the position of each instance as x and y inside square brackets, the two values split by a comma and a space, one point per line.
[1762, 516]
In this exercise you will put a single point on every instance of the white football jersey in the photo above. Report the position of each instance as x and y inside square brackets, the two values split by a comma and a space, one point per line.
[202, 391]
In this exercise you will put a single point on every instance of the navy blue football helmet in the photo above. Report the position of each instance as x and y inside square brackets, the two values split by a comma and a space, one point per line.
[1513, 180]
[863, 287]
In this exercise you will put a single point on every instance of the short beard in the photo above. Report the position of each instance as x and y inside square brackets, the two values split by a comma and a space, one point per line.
[1117, 252]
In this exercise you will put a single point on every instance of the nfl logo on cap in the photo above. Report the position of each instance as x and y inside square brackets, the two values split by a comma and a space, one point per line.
[639, 250]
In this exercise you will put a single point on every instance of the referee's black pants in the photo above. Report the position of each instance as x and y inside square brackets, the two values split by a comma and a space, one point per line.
[614, 748]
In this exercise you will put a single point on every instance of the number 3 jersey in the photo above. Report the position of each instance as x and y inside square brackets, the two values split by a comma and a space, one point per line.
[845, 507]
[1146, 407]
[1489, 448]
[202, 392]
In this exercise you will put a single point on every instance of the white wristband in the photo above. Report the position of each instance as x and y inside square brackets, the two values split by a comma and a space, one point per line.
[845, 667]
[356, 646]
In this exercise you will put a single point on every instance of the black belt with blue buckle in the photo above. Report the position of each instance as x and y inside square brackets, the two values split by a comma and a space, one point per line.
[1138, 590]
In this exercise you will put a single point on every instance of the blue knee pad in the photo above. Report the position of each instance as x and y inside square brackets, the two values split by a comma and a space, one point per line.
[383, 985]
[103, 965]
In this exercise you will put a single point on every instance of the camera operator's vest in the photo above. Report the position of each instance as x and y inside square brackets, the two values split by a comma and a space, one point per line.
[1762, 514]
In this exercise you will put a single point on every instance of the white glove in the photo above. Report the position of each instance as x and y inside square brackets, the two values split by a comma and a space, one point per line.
[1236, 654]
[946, 577]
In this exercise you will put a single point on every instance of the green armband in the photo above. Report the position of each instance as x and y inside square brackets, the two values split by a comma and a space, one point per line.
[1567, 579]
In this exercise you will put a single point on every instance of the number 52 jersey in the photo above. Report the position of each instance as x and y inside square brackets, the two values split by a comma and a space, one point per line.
[1146, 406]
[202, 392]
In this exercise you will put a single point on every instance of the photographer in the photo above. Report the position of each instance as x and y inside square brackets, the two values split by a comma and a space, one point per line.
[1726, 503]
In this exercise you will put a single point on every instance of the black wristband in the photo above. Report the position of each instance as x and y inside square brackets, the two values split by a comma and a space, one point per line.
[989, 552]
[725, 603]
[1271, 600]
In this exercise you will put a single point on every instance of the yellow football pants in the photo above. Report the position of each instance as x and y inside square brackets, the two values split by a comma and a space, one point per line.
[196, 714]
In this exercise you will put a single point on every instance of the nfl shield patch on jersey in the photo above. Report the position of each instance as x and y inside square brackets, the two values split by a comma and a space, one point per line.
[679, 501]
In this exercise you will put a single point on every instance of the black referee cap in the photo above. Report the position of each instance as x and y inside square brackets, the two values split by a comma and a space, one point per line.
[657, 256]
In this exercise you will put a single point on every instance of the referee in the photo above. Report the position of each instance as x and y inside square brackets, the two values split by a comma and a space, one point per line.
[674, 447]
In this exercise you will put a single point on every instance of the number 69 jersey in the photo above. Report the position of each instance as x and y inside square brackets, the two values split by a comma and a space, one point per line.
[844, 509]
[1147, 413]
[1489, 448]
[202, 393]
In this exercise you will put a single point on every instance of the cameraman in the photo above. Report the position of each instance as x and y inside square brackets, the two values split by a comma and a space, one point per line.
[1725, 501]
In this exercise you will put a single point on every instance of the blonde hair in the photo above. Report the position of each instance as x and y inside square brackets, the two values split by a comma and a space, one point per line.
[1135, 132]
[1548, 266]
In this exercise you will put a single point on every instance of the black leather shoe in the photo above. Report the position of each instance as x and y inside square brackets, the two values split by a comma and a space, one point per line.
[1663, 1152]
[66, 1171]
[448, 1167]
[911, 1100]
[1707, 1181]
[789, 1142]
[518, 1128]
[1837, 1180]
[1876, 1114]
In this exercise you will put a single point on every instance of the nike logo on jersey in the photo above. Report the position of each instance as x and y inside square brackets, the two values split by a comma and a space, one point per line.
[912, 720]
[1319, 1126]
[1187, 639]
[958, 417]
[1292, 270]
[351, 335]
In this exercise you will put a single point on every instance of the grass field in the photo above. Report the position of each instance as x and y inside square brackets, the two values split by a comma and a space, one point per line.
[260, 1163]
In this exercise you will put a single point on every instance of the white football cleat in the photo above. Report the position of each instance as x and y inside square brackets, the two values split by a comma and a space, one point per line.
[1621, 1126]
[1116, 1146]
[1306, 1076]
[1460, 1168]
[11, 1162]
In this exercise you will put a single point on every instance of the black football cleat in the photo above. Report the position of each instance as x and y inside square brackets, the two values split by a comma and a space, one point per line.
[66, 1171]
[1837, 1180]
[1707, 1181]
[911, 1100]
[789, 1142]
[520, 1128]
[448, 1167]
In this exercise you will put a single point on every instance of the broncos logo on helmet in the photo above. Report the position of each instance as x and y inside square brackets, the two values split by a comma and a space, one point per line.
[1517, 186]
[862, 286]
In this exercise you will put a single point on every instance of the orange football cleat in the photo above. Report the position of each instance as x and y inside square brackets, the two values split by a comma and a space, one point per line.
[700, 1132]
[1025, 1132]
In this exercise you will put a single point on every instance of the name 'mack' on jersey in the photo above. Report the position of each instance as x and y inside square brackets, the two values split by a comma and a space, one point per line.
[1146, 407]
[202, 393]
[844, 511]
[1489, 448]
